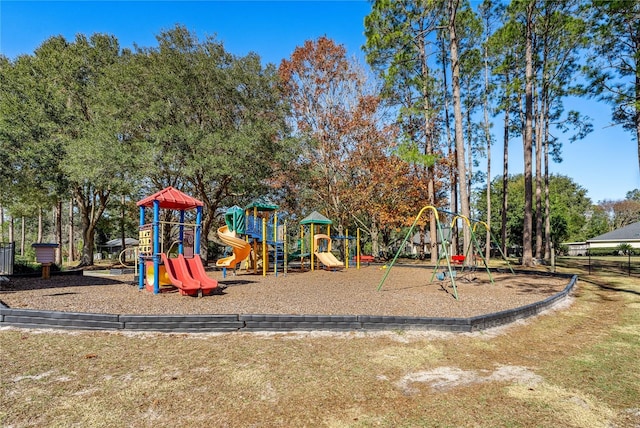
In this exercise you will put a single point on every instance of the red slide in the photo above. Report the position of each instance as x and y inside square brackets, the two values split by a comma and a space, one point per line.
[180, 277]
[196, 269]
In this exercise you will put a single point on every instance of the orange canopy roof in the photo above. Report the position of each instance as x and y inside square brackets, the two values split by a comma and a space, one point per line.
[170, 198]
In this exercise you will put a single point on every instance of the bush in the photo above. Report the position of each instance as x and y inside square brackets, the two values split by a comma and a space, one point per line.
[22, 266]
[625, 249]
[610, 251]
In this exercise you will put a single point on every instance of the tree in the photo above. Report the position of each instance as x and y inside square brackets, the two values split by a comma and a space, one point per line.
[490, 14]
[597, 223]
[457, 112]
[527, 235]
[325, 92]
[399, 38]
[334, 113]
[212, 123]
[376, 177]
[614, 65]
[79, 78]
[553, 35]
[31, 174]
[622, 213]
[633, 195]
[561, 30]
[569, 208]
[505, 49]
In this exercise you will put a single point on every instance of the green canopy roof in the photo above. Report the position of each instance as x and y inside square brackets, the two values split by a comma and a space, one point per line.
[262, 205]
[315, 218]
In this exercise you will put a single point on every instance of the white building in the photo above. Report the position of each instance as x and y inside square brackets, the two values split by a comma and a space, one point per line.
[629, 234]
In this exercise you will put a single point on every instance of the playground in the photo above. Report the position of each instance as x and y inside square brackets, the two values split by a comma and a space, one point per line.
[171, 279]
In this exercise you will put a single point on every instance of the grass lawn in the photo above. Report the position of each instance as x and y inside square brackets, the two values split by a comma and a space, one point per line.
[574, 367]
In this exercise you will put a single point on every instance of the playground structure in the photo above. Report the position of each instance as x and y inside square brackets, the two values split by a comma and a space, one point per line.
[325, 256]
[157, 271]
[320, 243]
[241, 248]
[444, 253]
[258, 236]
[250, 232]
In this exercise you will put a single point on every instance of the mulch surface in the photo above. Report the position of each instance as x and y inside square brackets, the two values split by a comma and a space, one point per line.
[407, 291]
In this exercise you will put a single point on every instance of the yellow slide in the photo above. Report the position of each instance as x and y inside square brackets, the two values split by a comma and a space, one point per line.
[329, 260]
[241, 248]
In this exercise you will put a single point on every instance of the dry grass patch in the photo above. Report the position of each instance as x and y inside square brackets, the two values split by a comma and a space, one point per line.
[572, 367]
[571, 408]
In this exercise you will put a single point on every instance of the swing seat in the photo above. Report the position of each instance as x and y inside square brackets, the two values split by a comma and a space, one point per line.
[458, 259]
[440, 276]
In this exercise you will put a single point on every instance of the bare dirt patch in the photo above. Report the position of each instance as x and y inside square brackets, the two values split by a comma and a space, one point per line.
[445, 378]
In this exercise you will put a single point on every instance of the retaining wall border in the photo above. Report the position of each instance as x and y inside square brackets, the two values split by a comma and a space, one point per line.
[32, 318]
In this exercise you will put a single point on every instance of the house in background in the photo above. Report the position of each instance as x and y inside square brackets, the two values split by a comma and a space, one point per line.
[576, 248]
[412, 246]
[629, 234]
[112, 248]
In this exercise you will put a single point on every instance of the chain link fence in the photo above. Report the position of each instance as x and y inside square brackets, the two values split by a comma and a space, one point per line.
[619, 265]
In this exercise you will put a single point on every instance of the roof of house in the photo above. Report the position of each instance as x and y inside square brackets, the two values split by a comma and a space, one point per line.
[629, 232]
[118, 242]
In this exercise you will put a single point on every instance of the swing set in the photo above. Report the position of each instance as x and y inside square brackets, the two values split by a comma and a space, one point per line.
[449, 271]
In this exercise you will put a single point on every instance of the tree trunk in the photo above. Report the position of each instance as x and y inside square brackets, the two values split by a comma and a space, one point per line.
[11, 229]
[453, 167]
[505, 180]
[22, 236]
[58, 238]
[375, 236]
[92, 206]
[469, 159]
[538, 191]
[547, 208]
[39, 239]
[505, 165]
[457, 110]
[527, 238]
[71, 247]
[88, 242]
[487, 136]
[637, 94]
[204, 238]
[428, 150]
[421, 243]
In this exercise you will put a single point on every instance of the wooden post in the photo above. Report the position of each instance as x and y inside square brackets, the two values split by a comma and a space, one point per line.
[46, 270]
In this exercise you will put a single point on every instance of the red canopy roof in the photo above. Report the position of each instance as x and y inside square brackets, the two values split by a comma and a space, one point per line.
[170, 198]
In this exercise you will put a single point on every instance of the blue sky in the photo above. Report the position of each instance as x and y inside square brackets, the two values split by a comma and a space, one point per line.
[605, 163]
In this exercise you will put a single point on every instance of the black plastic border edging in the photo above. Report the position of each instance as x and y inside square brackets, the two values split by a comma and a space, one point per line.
[31, 318]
